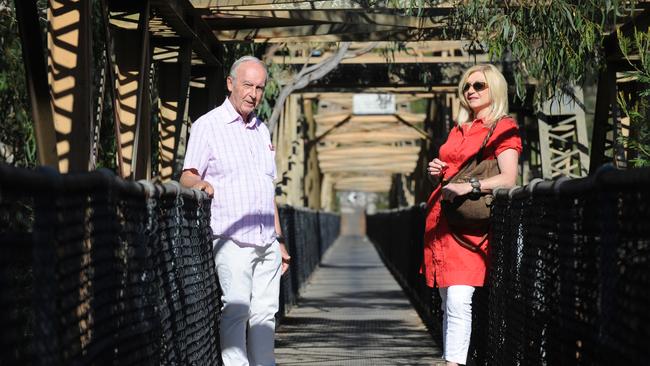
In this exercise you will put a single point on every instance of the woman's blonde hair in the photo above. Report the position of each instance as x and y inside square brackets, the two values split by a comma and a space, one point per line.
[497, 89]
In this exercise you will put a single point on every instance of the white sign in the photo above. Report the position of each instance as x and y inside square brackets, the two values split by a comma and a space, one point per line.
[373, 104]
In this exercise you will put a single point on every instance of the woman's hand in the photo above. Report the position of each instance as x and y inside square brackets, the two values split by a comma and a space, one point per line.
[452, 190]
[437, 167]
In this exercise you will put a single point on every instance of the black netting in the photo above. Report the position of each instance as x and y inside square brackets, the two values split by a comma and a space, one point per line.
[569, 272]
[308, 235]
[398, 236]
[16, 272]
[96, 270]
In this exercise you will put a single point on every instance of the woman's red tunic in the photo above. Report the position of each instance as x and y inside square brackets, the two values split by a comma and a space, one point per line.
[446, 262]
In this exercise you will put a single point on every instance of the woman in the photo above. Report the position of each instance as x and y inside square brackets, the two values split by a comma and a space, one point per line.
[453, 268]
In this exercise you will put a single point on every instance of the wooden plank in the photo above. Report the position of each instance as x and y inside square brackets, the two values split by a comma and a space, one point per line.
[367, 159]
[376, 150]
[356, 137]
[406, 116]
[384, 169]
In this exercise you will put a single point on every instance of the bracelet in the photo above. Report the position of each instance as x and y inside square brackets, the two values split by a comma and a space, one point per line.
[280, 239]
[476, 185]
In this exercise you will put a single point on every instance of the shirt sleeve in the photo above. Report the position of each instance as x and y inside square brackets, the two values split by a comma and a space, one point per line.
[197, 153]
[267, 136]
[506, 136]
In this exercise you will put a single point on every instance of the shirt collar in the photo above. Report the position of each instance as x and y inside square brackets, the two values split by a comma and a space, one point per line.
[233, 116]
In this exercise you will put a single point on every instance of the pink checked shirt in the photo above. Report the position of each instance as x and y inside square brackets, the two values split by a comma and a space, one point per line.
[238, 160]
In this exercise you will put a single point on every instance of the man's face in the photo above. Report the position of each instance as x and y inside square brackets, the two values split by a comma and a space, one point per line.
[247, 88]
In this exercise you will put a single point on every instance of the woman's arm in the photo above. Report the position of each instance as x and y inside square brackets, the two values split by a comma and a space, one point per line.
[507, 161]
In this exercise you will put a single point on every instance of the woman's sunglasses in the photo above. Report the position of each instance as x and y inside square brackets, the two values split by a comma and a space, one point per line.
[478, 86]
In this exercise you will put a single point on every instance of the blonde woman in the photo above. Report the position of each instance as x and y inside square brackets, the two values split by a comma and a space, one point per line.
[454, 268]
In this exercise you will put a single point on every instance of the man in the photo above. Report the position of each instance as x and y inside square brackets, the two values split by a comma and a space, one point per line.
[230, 156]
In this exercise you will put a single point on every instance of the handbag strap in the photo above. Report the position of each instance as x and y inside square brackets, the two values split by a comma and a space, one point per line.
[469, 245]
[479, 155]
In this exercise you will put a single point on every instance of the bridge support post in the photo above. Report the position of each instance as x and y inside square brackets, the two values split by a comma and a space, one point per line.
[563, 138]
[173, 88]
[69, 75]
[130, 31]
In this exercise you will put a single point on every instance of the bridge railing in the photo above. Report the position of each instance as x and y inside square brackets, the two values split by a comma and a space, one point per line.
[569, 272]
[98, 270]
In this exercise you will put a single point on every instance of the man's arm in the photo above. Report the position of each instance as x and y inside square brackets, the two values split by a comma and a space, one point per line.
[191, 179]
[286, 258]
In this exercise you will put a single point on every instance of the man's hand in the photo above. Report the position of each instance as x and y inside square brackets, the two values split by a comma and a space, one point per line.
[191, 179]
[204, 186]
[286, 258]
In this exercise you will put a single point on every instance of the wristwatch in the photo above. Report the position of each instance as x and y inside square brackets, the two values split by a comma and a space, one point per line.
[476, 185]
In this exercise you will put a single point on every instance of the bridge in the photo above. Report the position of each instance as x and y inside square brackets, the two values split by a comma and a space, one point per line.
[105, 259]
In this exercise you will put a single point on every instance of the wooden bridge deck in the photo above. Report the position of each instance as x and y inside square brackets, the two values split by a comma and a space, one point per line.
[353, 312]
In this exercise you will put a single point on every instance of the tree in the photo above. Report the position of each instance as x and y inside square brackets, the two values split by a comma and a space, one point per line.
[17, 139]
[555, 44]
[638, 109]
[310, 73]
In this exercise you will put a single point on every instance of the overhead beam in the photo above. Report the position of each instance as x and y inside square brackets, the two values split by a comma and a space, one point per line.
[384, 169]
[327, 33]
[180, 16]
[374, 58]
[444, 8]
[412, 118]
[347, 16]
[368, 159]
[353, 77]
[326, 152]
[415, 91]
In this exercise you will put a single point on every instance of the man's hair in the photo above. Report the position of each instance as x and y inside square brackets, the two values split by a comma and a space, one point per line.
[241, 60]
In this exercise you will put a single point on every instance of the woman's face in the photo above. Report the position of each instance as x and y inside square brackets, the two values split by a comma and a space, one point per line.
[476, 92]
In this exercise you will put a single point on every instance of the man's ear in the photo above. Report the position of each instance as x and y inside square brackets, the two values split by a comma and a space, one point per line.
[229, 83]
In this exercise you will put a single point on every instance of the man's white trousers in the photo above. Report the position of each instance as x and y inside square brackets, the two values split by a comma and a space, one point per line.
[250, 280]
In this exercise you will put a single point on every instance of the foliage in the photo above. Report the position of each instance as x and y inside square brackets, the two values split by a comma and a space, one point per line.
[555, 43]
[638, 110]
[17, 139]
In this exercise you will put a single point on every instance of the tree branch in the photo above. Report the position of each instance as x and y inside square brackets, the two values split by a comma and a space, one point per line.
[311, 73]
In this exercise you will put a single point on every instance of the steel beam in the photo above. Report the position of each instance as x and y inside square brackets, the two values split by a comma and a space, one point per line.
[207, 92]
[173, 91]
[69, 73]
[132, 79]
[180, 15]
